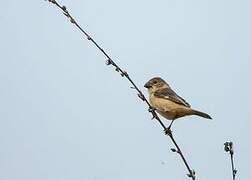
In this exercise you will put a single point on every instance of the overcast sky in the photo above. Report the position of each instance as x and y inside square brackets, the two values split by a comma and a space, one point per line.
[65, 115]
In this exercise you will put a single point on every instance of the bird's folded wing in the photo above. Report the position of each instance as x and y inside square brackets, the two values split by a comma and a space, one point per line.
[169, 94]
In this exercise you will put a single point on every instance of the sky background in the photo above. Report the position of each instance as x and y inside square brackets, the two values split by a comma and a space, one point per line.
[65, 115]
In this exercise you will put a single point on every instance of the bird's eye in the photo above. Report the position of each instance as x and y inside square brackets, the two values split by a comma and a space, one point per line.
[155, 82]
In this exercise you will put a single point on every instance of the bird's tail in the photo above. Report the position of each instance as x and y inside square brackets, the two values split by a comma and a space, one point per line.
[202, 114]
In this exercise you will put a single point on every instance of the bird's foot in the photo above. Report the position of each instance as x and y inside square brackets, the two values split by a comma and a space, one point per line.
[152, 110]
[168, 131]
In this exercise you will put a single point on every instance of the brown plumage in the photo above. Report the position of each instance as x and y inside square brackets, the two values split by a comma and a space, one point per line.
[167, 103]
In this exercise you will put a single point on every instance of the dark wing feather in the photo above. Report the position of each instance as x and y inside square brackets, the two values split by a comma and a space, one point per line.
[168, 93]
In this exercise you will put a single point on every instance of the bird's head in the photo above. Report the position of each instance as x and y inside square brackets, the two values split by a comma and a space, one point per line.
[155, 84]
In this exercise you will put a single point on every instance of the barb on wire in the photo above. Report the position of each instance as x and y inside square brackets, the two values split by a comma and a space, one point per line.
[228, 147]
[109, 61]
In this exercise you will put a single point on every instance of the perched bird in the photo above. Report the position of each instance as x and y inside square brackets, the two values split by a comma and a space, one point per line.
[167, 103]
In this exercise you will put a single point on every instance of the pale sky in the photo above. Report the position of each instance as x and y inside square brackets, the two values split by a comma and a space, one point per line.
[65, 115]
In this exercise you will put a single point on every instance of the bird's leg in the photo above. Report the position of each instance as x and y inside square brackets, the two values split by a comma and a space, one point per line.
[168, 129]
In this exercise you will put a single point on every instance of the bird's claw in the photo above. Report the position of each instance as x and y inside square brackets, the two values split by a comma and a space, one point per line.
[152, 110]
[168, 131]
[154, 116]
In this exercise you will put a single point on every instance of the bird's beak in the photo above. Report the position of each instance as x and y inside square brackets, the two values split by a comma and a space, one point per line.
[147, 85]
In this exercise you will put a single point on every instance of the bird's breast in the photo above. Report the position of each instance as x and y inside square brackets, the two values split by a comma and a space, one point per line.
[167, 108]
[164, 107]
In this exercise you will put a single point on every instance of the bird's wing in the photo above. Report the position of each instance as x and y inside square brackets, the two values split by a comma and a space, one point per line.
[169, 94]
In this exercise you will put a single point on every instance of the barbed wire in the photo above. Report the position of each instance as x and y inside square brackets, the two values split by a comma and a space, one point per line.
[109, 61]
[228, 147]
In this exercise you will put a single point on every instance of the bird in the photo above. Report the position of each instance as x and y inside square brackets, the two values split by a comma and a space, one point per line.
[167, 103]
